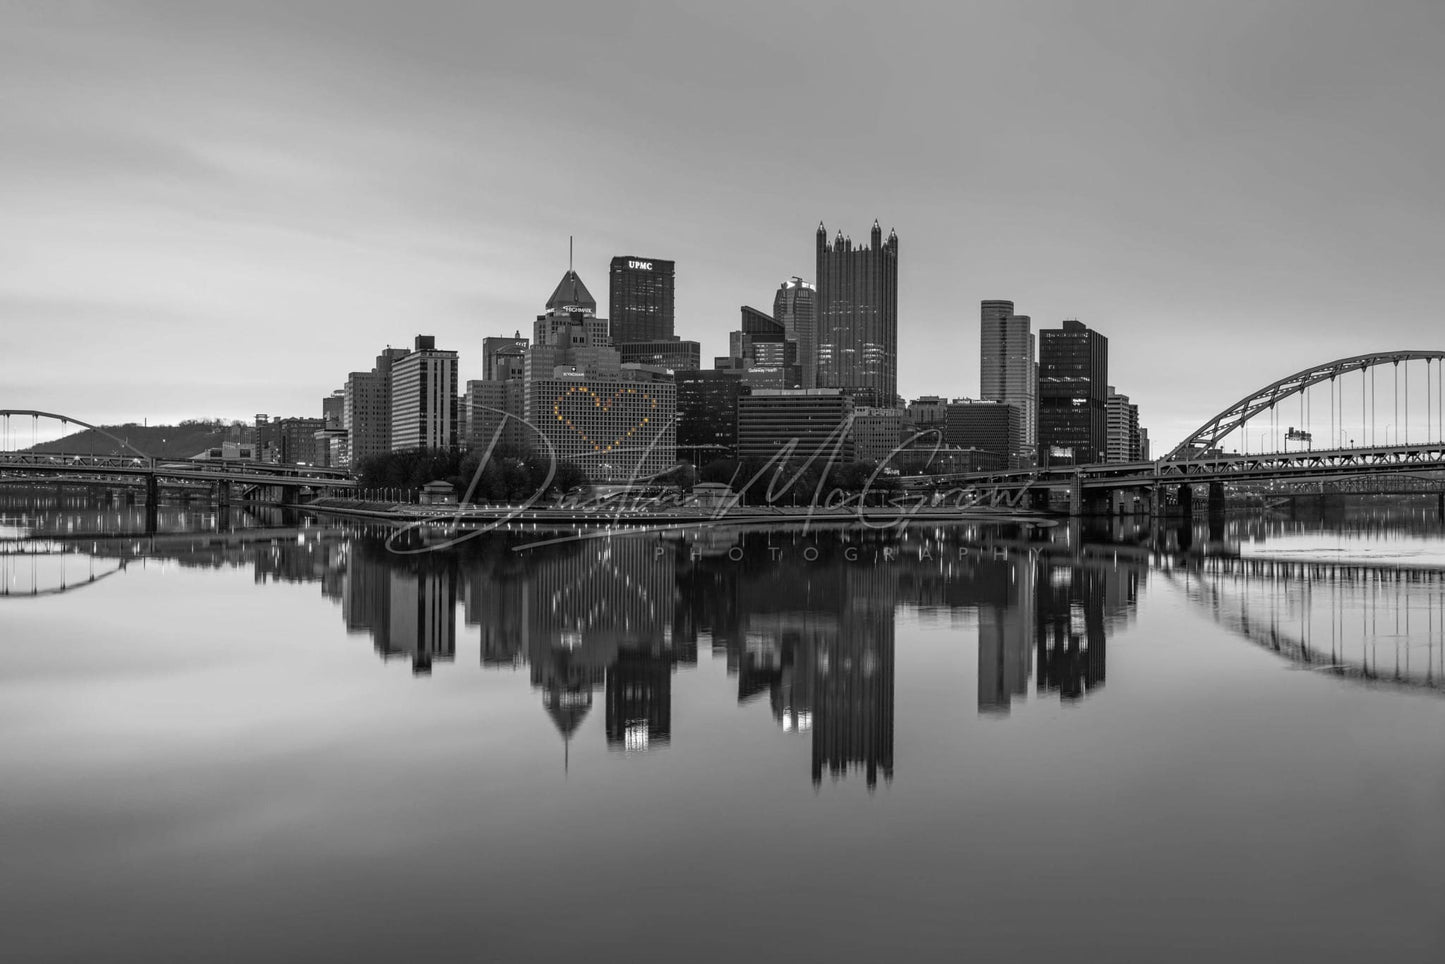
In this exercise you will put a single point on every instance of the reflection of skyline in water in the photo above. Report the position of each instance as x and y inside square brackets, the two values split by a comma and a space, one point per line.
[806, 625]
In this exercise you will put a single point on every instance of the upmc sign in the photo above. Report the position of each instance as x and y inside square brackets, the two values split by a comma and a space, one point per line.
[640, 265]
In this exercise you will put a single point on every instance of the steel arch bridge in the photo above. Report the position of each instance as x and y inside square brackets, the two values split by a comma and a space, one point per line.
[1208, 436]
[287, 478]
[70, 420]
[1199, 458]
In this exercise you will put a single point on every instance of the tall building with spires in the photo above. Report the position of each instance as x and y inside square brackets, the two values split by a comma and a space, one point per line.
[857, 316]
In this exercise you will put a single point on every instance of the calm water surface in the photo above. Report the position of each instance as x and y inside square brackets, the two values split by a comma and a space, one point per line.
[266, 738]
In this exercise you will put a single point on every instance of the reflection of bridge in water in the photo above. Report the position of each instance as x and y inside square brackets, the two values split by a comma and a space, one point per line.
[1360, 622]
[806, 622]
[31, 571]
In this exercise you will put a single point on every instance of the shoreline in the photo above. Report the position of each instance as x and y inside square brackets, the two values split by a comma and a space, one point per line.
[470, 517]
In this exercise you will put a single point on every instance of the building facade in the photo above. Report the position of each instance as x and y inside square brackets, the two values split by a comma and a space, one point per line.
[424, 398]
[1073, 395]
[986, 426]
[1008, 372]
[795, 307]
[495, 347]
[287, 440]
[640, 299]
[618, 426]
[815, 419]
[707, 414]
[877, 432]
[1123, 438]
[857, 317]
[673, 353]
[366, 408]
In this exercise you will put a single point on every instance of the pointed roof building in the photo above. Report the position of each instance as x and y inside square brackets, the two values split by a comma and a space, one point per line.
[572, 295]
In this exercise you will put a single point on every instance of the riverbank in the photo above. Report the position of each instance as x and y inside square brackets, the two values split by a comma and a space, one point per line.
[468, 517]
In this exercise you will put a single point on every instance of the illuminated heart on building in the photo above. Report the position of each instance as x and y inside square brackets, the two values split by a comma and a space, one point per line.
[601, 420]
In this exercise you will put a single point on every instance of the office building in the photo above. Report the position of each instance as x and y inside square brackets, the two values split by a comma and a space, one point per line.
[616, 426]
[424, 398]
[640, 299]
[671, 353]
[808, 423]
[857, 317]
[1008, 372]
[1073, 395]
[570, 304]
[795, 307]
[985, 426]
[287, 440]
[876, 432]
[333, 408]
[494, 347]
[762, 351]
[491, 404]
[1123, 432]
[366, 408]
[570, 340]
[707, 414]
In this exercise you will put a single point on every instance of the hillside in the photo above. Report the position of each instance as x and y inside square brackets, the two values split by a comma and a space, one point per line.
[181, 441]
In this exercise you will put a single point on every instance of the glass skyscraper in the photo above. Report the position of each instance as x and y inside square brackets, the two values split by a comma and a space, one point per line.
[857, 316]
[1008, 372]
[639, 303]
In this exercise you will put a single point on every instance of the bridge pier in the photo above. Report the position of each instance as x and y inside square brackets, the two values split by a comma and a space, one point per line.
[223, 493]
[1216, 500]
[1186, 500]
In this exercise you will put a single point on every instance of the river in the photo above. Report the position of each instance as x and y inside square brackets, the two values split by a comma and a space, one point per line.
[275, 737]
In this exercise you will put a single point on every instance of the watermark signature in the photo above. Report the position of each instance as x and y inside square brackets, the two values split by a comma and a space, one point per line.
[796, 484]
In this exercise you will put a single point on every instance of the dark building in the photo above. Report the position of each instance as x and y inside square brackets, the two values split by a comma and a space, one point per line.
[673, 353]
[1073, 395]
[640, 299]
[639, 700]
[1069, 631]
[763, 351]
[707, 414]
[795, 307]
[814, 419]
[857, 317]
[991, 427]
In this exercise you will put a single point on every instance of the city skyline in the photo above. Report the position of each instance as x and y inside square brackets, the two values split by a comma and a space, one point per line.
[216, 212]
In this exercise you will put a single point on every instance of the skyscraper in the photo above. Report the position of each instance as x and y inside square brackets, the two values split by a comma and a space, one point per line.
[1008, 372]
[795, 307]
[857, 316]
[1123, 428]
[424, 398]
[366, 412]
[1073, 395]
[639, 302]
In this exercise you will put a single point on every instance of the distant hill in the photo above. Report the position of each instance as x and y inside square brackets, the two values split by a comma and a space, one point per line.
[183, 441]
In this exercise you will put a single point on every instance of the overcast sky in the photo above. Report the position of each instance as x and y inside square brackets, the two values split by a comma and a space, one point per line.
[221, 209]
